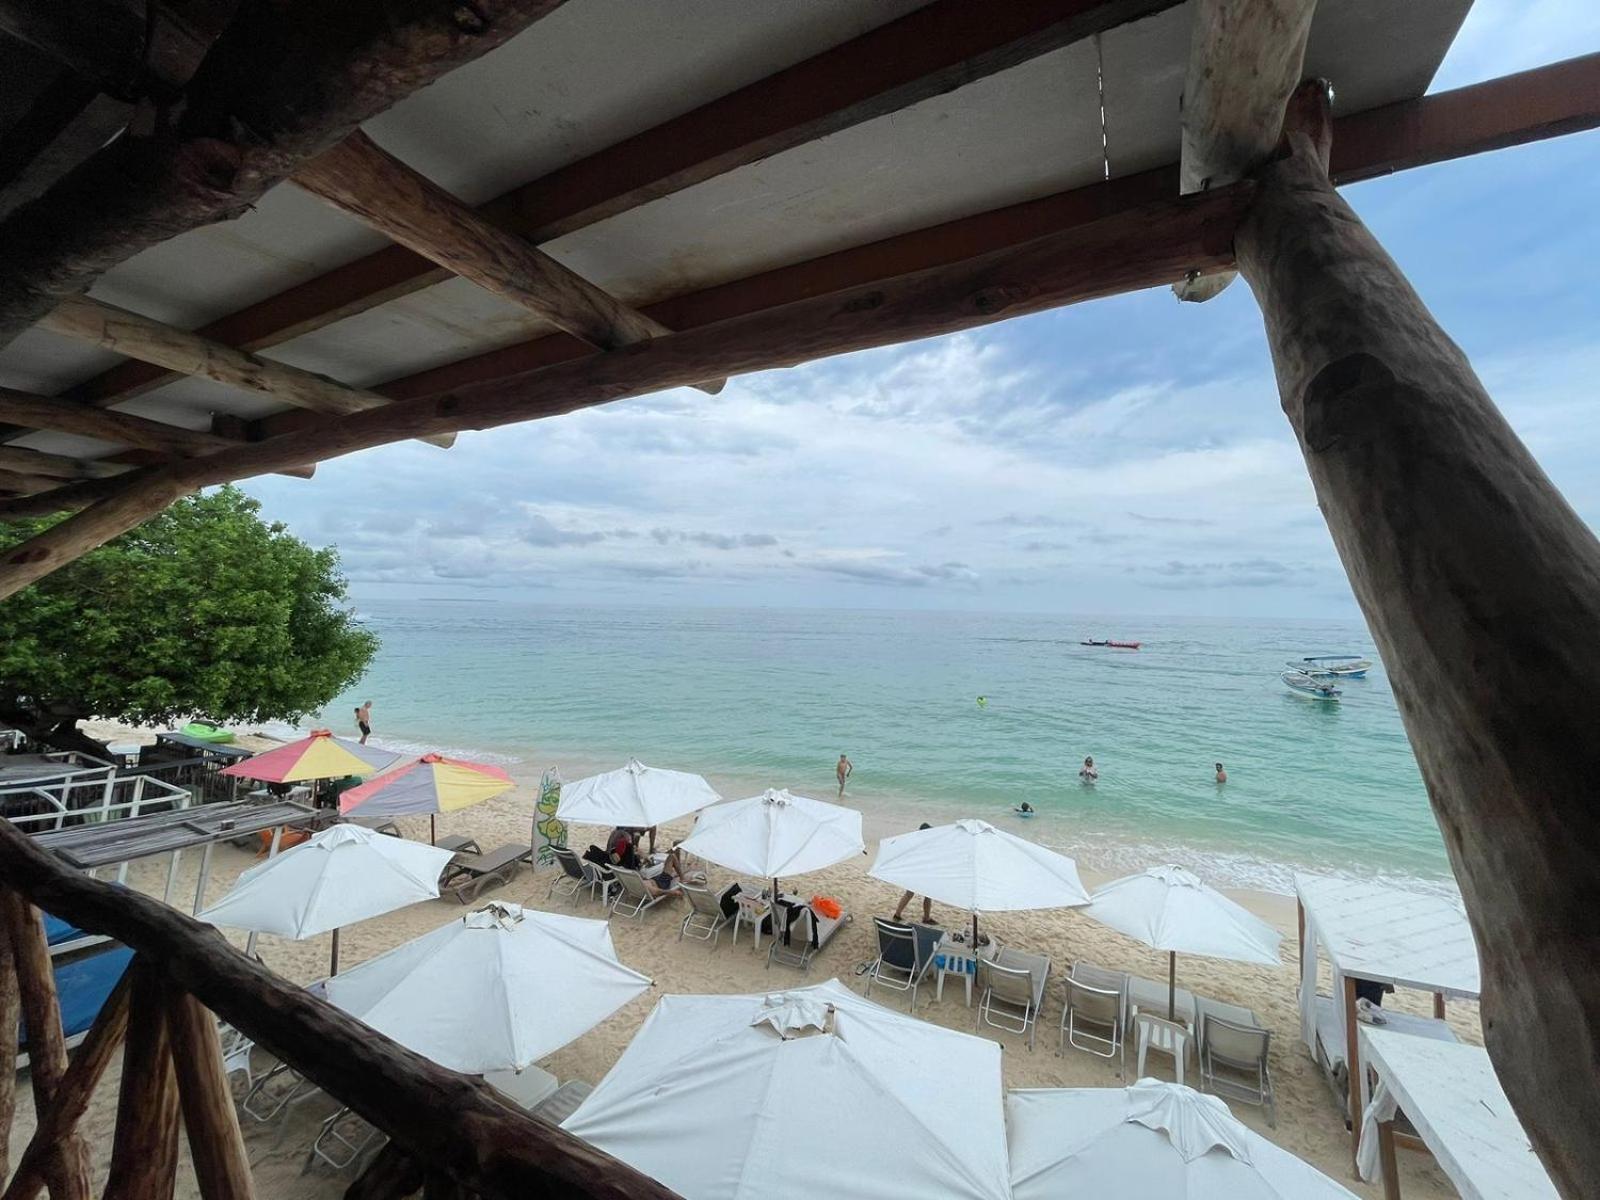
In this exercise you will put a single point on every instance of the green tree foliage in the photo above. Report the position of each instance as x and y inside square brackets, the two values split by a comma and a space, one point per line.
[205, 610]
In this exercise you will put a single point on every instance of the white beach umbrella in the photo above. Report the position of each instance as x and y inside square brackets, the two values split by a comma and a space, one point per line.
[342, 875]
[1170, 909]
[635, 796]
[972, 865]
[810, 1092]
[1152, 1139]
[776, 834]
[494, 990]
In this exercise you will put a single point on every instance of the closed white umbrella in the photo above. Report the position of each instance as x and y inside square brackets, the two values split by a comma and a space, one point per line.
[342, 875]
[810, 1092]
[776, 834]
[972, 865]
[494, 990]
[1152, 1139]
[1170, 909]
[635, 796]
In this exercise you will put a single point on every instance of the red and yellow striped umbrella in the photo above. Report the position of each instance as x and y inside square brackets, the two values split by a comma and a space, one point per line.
[431, 784]
[320, 756]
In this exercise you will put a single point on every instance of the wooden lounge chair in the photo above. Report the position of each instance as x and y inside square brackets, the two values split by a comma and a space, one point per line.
[905, 955]
[634, 898]
[798, 933]
[469, 874]
[1012, 989]
[705, 918]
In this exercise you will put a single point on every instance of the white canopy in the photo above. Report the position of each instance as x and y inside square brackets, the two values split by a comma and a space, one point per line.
[497, 989]
[811, 1092]
[776, 834]
[975, 866]
[1451, 1094]
[1152, 1139]
[635, 796]
[342, 875]
[1170, 909]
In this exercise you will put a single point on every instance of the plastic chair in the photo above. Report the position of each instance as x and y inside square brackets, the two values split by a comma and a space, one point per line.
[1242, 1051]
[1012, 980]
[1094, 1007]
[1158, 1033]
[905, 954]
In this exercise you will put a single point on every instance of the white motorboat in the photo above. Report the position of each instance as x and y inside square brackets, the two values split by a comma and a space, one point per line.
[1338, 666]
[1310, 685]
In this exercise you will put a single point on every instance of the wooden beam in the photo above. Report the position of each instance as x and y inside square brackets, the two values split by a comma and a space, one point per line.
[58, 1124]
[67, 1169]
[1481, 587]
[144, 1147]
[24, 483]
[360, 178]
[58, 415]
[59, 466]
[285, 80]
[117, 329]
[926, 53]
[446, 1120]
[216, 1145]
[1245, 58]
[126, 48]
[1142, 247]
[10, 1018]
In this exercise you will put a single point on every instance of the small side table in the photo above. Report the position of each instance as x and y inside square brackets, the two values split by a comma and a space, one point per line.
[1157, 1033]
[958, 958]
[752, 909]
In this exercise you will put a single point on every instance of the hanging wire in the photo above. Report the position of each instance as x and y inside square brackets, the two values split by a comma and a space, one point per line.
[1100, 83]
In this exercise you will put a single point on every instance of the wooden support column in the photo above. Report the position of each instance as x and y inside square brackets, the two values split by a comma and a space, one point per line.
[10, 1018]
[1482, 590]
[67, 1170]
[360, 178]
[1245, 59]
[144, 1149]
[25, 484]
[117, 329]
[1352, 1062]
[1386, 1161]
[392, 1172]
[216, 1145]
[59, 1122]
[56, 466]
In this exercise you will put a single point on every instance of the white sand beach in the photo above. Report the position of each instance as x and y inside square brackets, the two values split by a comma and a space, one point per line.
[1307, 1122]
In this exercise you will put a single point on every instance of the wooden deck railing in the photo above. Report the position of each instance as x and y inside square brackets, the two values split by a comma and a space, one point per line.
[448, 1132]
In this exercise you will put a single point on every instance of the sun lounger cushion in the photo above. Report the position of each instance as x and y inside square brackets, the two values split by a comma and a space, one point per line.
[469, 874]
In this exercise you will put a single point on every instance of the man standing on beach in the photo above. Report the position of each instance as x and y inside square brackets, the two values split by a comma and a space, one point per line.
[843, 772]
[364, 721]
[927, 905]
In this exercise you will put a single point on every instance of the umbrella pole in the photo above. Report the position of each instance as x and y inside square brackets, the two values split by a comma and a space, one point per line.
[974, 931]
[333, 964]
[1172, 985]
[433, 833]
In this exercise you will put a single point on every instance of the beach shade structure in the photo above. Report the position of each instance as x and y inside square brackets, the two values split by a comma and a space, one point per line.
[319, 756]
[1170, 909]
[431, 784]
[776, 834]
[635, 796]
[974, 866]
[809, 1092]
[342, 875]
[1151, 1139]
[495, 990]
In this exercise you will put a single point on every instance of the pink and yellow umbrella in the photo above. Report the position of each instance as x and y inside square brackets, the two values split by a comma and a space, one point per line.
[432, 784]
[320, 756]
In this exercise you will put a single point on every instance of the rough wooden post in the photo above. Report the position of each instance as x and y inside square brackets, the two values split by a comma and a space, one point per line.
[1482, 590]
[215, 1143]
[392, 1172]
[10, 1016]
[76, 1089]
[68, 1169]
[144, 1151]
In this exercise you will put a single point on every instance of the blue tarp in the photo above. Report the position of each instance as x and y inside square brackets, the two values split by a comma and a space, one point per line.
[84, 982]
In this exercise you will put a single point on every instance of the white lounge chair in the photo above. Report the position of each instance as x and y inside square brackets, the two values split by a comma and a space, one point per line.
[705, 918]
[905, 955]
[798, 933]
[1233, 1061]
[578, 874]
[635, 897]
[1011, 986]
[1089, 1009]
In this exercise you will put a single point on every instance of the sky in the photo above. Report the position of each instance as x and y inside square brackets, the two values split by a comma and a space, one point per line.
[1123, 456]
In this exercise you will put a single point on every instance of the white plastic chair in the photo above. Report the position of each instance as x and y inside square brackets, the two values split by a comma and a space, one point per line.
[1158, 1033]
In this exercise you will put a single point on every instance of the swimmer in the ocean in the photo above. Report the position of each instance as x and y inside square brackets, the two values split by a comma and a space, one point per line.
[983, 702]
[1025, 807]
[1089, 772]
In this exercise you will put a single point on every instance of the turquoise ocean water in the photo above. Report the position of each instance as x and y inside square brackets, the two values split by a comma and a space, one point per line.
[768, 697]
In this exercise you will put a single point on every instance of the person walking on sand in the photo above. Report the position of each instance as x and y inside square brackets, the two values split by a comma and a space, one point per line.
[843, 772]
[927, 904]
[364, 721]
[1088, 772]
[1222, 776]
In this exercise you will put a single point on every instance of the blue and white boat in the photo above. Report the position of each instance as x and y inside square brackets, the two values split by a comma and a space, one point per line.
[1310, 686]
[1337, 666]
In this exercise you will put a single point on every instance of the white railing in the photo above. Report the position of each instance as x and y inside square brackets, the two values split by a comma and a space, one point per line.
[86, 796]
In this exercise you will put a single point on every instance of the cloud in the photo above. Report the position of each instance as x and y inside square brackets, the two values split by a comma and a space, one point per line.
[715, 541]
[1181, 522]
[896, 575]
[1248, 573]
[541, 531]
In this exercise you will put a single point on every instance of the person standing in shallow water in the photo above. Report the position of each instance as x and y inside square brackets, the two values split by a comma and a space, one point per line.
[1089, 772]
[364, 721]
[843, 772]
[1222, 776]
